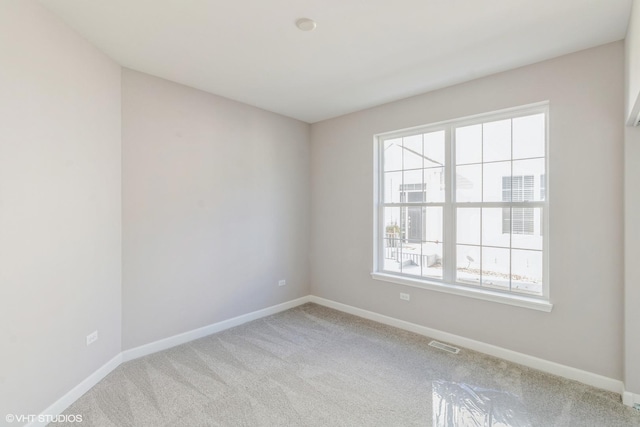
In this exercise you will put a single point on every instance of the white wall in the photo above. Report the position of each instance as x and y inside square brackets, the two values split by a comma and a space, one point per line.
[586, 97]
[215, 208]
[632, 57]
[60, 213]
[632, 209]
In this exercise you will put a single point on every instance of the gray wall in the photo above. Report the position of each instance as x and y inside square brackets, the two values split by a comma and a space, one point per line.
[632, 259]
[632, 209]
[60, 195]
[586, 97]
[215, 208]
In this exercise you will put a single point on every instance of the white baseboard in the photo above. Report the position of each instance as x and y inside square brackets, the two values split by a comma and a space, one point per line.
[185, 337]
[585, 377]
[631, 399]
[65, 401]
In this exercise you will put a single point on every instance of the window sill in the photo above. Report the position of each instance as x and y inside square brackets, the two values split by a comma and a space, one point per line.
[486, 295]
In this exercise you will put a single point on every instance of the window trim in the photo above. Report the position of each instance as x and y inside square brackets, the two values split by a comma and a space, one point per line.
[448, 284]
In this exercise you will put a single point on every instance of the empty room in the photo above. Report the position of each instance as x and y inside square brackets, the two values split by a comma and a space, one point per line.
[303, 213]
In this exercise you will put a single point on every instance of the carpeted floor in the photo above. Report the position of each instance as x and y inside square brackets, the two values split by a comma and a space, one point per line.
[313, 366]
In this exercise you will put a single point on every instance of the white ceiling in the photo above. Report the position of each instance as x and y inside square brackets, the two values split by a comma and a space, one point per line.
[363, 52]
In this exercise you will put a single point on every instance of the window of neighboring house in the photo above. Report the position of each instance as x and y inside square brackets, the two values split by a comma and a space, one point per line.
[517, 189]
[461, 206]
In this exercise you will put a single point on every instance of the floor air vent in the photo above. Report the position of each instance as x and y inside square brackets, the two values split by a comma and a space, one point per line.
[444, 347]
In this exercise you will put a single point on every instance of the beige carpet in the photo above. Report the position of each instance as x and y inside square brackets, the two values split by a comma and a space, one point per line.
[313, 366]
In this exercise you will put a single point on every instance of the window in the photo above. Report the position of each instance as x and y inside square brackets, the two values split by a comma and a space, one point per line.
[461, 206]
[518, 189]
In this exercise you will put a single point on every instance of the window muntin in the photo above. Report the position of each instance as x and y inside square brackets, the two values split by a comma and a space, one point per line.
[464, 203]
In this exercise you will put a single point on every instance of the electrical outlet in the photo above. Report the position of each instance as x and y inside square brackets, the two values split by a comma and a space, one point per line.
[92, 337]
[405, 297]
[282, 282]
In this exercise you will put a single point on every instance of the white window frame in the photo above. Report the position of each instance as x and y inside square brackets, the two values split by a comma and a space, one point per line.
[448, 284]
